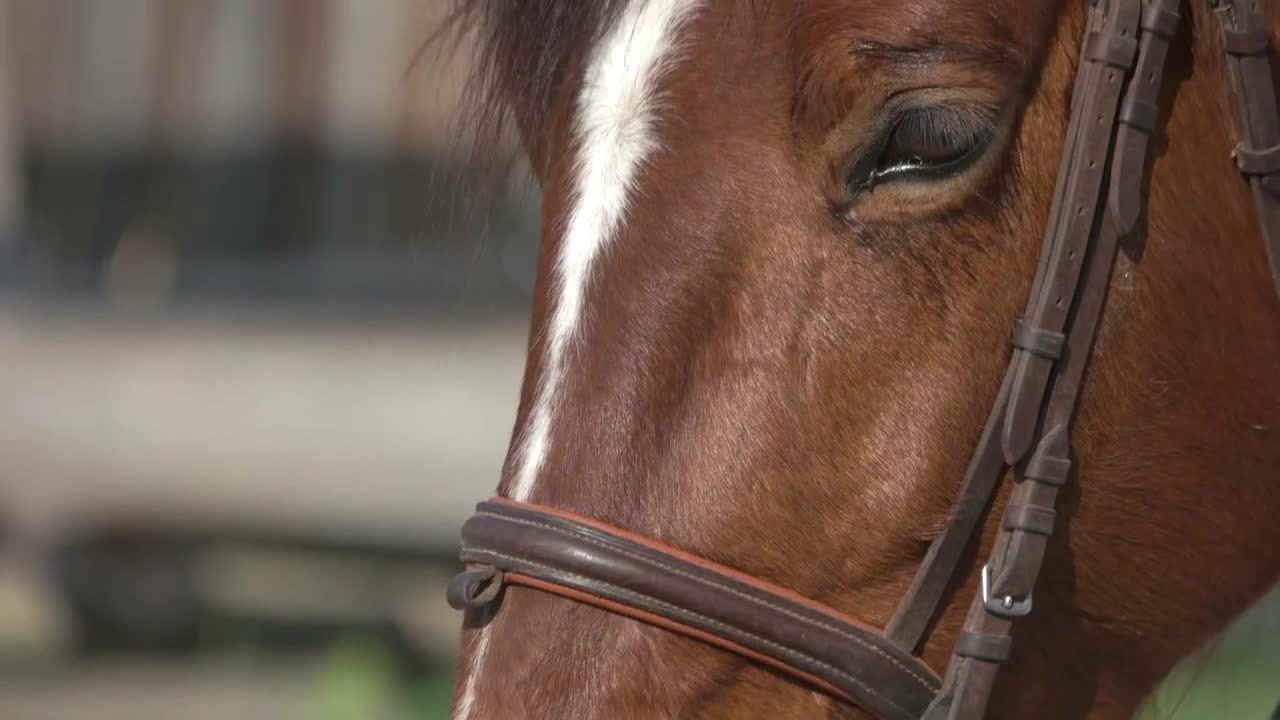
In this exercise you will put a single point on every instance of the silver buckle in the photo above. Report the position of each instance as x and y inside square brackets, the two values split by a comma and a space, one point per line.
[1006, 606]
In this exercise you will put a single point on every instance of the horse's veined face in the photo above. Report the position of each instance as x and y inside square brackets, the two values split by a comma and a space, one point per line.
[782, 247]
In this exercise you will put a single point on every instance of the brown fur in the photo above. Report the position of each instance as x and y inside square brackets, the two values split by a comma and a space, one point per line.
[793, 387]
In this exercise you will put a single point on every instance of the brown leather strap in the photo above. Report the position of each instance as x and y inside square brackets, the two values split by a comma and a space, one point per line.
[1032, 418]
[1018, 554]
[1110, 48]
[1103, 139]
[588, 561]
[1037, 341]
[928, 588]
[989, 648]
[1014, 575]
[1029, 518]
[1244, 39]
[1140, 114]
[635, 613]
[1124, 51]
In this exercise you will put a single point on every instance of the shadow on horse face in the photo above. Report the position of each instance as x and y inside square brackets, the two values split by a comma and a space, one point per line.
[783, 248]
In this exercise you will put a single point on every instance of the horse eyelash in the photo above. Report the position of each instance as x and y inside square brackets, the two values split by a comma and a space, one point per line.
[952, 124]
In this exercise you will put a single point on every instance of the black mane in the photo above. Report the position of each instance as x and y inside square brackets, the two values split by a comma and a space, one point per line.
[523, 49]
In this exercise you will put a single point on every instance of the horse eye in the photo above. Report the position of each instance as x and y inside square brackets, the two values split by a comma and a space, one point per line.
[924, 144]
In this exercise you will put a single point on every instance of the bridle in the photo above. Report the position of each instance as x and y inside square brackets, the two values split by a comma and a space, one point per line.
[1099, 200]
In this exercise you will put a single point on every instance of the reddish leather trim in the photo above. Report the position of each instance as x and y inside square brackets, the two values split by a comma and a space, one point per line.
[663, 548]
[675, 627]
[583, 559]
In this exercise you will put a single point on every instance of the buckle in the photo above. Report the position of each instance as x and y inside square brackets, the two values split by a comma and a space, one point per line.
[1007, 606]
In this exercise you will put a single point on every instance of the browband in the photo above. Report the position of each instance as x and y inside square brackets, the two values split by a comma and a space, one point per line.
[558, 552]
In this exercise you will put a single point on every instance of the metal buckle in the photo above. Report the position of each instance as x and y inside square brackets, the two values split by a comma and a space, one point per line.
[1006, 606]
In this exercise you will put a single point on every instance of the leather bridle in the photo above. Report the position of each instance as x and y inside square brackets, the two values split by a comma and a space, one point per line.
[1099, 199]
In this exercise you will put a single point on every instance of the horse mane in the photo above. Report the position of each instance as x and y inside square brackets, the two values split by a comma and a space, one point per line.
[522, 51]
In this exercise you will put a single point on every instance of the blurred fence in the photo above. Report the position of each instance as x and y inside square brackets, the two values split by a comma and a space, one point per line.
[220, 74]
[154, 149]
[259, 358]
[286, 158]
[260, 355]
[261, 153]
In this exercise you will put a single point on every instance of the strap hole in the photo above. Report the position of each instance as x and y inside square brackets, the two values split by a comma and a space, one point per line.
[1093, 163]
[1071, 255]
[1058, 302]
[1080, 210]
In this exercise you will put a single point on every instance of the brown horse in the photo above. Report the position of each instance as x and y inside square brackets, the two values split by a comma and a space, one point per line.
[783, 243]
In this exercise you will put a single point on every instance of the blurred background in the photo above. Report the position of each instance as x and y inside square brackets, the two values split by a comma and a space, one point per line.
[259, 355]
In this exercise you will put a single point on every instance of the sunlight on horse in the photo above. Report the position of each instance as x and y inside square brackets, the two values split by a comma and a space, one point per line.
[787, 249]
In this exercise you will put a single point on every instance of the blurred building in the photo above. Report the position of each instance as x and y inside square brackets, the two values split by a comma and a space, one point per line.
[249, 305]
[276, 178]
[242, 147]
[260, 350]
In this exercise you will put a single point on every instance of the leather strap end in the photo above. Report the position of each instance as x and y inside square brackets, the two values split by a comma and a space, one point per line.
[1026, 396]
[1127, 193]
[1048, 471]
[1161, 21]
[1051, 462]
[1029, 518]
[1140, 114]
[984, 647]
[1026, 399]
[1017, 577]
[1250, 41]
[1111, 49]
[1037, 341]
[1257, 162]
[474, 588]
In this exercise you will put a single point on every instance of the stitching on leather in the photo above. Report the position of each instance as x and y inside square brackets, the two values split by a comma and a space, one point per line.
[675, 609]
[737, 593]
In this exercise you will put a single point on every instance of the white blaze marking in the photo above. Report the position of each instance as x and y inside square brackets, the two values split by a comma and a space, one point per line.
[615, 132]
[468, 700]
[616, 114]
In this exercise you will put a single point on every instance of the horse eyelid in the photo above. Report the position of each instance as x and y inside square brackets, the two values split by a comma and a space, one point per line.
[974, 126]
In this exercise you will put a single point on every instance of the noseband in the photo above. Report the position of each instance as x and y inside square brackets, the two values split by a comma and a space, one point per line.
[1099, 199]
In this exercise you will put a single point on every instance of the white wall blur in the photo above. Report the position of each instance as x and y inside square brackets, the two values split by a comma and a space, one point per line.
[317, 419]
[11, 196]
[216, 72]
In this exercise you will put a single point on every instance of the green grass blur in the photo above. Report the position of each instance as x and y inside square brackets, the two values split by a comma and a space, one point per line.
[361, 681]
[1235, 678]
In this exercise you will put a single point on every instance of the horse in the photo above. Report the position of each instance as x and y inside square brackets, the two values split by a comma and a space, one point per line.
[783, 275]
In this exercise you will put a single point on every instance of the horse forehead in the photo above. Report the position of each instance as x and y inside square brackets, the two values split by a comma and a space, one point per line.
[906, 18]
[613, 127]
